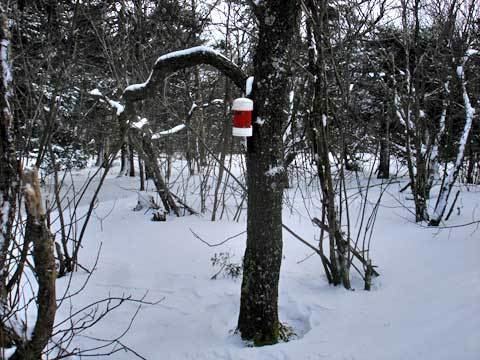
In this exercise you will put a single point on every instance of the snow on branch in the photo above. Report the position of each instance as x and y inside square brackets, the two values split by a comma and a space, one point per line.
[140, 124]
[6, 70]
[114, 104]
[249, 86]
[173, 130]
[186, 52]
[401, 114]
[95, 92]
[471, 52]
[178, 60]
[138, 87]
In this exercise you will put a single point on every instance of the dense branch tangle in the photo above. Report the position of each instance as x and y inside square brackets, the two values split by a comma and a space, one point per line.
[164, 66]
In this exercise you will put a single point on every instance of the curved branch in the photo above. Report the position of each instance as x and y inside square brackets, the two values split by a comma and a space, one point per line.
[178, 60]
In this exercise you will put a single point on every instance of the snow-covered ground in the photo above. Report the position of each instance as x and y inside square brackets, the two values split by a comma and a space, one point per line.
[425, 304]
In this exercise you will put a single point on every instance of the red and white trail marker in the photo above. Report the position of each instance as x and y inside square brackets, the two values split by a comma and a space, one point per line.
[242, 117]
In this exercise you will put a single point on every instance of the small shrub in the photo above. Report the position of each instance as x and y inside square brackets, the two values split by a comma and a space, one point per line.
[227, 268]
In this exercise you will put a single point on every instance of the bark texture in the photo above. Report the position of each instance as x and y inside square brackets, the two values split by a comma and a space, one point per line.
[38, 234]
[384, 164]
[258, 319]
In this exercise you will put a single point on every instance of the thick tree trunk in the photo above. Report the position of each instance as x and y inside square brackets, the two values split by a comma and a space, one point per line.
[258, 319]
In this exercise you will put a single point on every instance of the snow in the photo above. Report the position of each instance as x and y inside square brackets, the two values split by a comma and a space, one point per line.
[400, 113]
[140, 124]
[8, 352]
[7, 74]
[4, 211]
[249, 86]
[471, 52]
[259, 121]
[192, 108]
[186, 52]
[425, 304]
[135, 87]
[7, 79]
[95, 92]
[115, 104]
[460, 71]
[275, 170]
[173, 130]
[374, 74]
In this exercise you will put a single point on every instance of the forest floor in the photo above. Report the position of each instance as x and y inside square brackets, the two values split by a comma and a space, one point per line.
[424, 305]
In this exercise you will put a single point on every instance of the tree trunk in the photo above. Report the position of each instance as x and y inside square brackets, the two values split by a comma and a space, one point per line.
[472, 162]
[149, 157]
[106, 152]
[9, 172]
[224, 148]
[131, 159]
[123, 159]
[141, 174]
[318, 26]
[100, 154]
[451, 177]
[258, 319]
[384, 165]
[37, 233]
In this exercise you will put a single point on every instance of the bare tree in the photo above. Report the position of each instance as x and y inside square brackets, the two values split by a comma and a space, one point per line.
[37, 233]
[9, 171]
[266, 173]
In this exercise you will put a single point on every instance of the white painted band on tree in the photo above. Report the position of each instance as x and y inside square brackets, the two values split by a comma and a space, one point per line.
[242, 104]
[242, 131]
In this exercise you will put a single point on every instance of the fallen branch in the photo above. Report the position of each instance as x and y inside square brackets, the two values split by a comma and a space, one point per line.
[220, 243]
